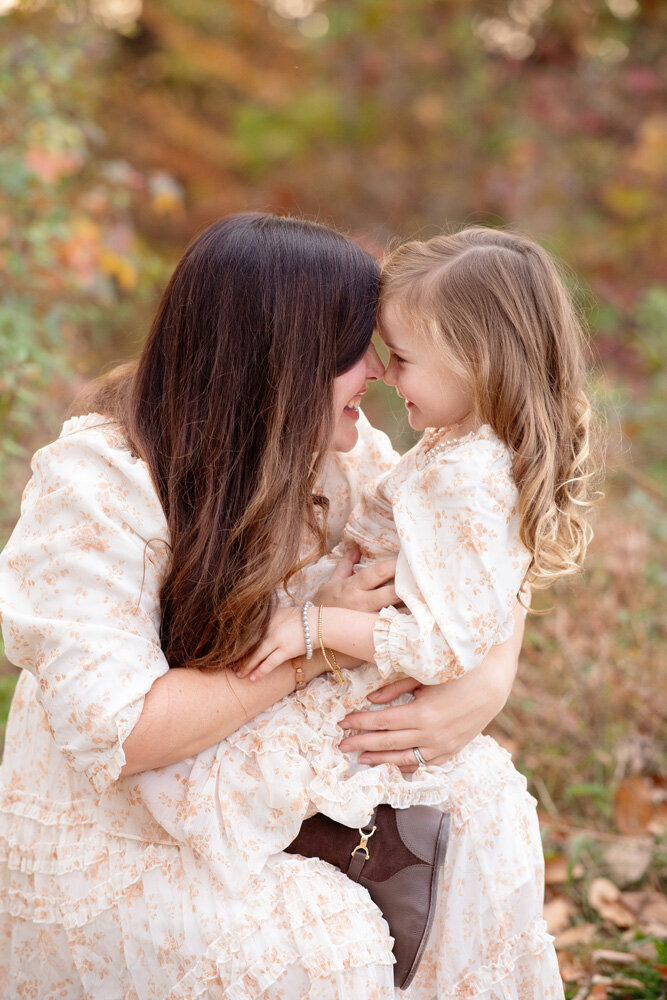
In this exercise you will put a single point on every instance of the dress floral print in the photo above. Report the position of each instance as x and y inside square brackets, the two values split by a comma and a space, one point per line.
[172, 884]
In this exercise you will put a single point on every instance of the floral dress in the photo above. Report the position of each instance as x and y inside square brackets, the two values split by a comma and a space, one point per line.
[172, 884]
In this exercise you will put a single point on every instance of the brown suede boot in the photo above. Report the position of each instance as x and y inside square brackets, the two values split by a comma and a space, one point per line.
[396, 857]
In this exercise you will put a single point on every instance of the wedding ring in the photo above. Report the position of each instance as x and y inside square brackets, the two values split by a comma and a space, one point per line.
[420, 760]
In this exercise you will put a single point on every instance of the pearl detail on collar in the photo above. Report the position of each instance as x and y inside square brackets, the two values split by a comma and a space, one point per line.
[443, 446]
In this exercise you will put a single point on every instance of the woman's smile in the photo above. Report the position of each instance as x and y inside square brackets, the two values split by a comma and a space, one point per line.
[351, 409]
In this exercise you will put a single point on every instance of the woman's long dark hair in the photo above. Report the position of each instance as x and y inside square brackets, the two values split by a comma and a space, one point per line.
[230, 404]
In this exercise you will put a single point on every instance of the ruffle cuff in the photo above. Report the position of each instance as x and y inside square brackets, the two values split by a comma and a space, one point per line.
[107, 764]
[390, 642]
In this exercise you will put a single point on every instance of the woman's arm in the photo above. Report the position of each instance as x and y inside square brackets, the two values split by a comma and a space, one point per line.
[443, 718]
[187, 711]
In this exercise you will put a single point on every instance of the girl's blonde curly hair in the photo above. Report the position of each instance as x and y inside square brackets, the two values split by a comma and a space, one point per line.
[494, 303]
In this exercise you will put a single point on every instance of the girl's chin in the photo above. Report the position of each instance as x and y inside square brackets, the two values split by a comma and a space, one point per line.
[414, 419]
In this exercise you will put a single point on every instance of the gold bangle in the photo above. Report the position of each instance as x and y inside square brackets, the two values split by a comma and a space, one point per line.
[331, 663]
[299, 674]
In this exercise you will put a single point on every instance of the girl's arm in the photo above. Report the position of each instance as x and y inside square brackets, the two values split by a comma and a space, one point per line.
[442, 718]
[349, 632]
[460, 566]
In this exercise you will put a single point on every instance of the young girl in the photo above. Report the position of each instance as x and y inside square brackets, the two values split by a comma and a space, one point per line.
[486, 351]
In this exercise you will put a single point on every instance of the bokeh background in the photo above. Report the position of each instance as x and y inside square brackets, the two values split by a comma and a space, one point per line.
[127, 126]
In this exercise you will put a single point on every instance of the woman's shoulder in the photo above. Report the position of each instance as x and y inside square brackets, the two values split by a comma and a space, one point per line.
[91, 463]
[92, 426]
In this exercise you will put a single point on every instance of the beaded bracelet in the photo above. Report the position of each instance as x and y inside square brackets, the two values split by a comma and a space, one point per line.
[306, 629]
[331, 663]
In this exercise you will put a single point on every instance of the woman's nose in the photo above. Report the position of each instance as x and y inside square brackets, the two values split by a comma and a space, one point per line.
[374, 366]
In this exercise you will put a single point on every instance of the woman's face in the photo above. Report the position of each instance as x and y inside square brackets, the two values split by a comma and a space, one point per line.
[348, 390]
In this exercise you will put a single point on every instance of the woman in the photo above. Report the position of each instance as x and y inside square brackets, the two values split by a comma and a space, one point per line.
[153, 533]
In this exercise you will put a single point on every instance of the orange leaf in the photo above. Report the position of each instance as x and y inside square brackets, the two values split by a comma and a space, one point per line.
[633, 804]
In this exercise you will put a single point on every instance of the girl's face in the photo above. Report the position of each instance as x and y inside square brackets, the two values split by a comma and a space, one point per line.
[434, 394]
[348, 390]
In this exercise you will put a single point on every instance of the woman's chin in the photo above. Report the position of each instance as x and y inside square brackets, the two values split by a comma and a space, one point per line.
[346, 435]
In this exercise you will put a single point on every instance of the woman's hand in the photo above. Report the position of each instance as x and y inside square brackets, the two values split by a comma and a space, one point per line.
[371, 589]
[442, 719]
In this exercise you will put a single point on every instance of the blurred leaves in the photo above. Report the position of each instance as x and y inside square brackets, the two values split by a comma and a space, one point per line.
[69, 251]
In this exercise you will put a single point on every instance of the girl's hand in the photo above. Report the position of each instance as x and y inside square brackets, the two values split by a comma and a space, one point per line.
[371, 589]
[283, 641]
[442, 719]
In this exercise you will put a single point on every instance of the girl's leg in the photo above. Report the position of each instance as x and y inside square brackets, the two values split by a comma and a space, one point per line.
[489, 940]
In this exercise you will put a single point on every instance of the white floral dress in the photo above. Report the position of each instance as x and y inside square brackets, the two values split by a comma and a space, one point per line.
[172, 884]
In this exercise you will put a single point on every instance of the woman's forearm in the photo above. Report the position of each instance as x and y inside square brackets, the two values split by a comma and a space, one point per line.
[187, 711]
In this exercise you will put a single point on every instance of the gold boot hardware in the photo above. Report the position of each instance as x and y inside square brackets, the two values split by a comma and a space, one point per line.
[362, 845]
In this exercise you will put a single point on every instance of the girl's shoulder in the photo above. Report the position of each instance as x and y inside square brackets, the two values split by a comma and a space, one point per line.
[477, 463]
[480, 448]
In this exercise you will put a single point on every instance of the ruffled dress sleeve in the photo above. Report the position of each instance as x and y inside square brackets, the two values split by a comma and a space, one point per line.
[460, 565]
[79, 592]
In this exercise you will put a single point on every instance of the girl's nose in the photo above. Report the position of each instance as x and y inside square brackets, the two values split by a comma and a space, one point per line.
[389, 373]
[374, 366]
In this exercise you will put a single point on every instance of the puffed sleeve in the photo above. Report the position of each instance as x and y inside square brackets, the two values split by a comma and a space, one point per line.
[79, 593]
[460, 565]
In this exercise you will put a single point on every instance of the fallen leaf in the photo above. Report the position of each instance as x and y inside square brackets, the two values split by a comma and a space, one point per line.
[604, 956]
[570, 971]
[599, 991]
[573, 936]
[652, 913]
[629, 984]
[633, 804]
[558, 913]
[628, 859]
[605, 898]
[556, 870]
[645, 948]
[649, 910]
[658, 824]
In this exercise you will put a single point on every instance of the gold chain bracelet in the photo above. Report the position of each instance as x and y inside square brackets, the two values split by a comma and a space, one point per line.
[331, 663]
